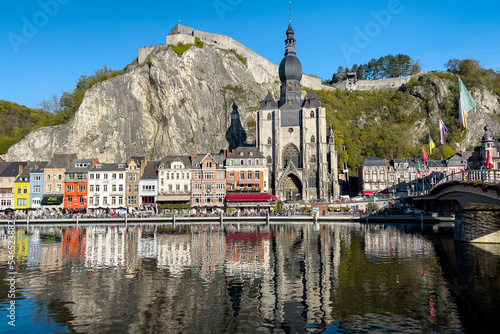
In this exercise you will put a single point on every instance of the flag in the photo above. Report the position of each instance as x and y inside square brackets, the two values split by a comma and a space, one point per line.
[431, 144]
[489, 164]
[442, 130]
[419, 168]
[465, 104]
[424, 155]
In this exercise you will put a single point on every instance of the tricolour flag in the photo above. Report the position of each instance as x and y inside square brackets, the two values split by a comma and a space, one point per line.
[442, 130]
[465, 104]
[424, 155]
[431, 144]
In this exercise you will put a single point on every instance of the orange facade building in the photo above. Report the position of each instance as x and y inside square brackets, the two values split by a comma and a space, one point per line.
[75, 184]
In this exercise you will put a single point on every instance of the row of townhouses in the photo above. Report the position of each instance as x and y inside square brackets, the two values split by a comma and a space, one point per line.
[66, 183]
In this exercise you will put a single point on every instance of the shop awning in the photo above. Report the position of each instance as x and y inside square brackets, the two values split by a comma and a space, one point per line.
[173, 198]
[52, 199]
[250, 197]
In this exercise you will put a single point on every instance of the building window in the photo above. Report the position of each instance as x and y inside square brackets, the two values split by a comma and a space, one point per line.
[59, 187]
[21, 201]
[132, 200]
[249, 162]
[249, 175]
[269, 141]
[374, 176]
[312, 114]
[148, 187]
[197, 175]
[242, 175]
[113, 176]
[36, 189]
[70, 201]
[37, 178]
[269, 116]
[209, 175]
[313, 158]
[70, 188]
[313, 139]
[120, 188]
[196, 198]
[48, 176]
[269, 159]
[105, 188]
[231, 175]
[257, 175]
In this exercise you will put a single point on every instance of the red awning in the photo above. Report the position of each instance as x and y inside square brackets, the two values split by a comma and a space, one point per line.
[369, 192]
[250, 197]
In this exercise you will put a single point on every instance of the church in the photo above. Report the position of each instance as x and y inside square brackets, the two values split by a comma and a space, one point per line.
[293, 136]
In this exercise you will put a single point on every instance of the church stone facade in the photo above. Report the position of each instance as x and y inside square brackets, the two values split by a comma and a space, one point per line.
[293, 136]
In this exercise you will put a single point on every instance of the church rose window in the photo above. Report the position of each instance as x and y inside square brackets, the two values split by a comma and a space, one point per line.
[291, 154]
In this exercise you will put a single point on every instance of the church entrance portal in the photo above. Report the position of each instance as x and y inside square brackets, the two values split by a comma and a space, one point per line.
[292, 188]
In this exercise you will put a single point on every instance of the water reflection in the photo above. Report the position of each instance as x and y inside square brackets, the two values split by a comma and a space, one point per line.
[207, 278]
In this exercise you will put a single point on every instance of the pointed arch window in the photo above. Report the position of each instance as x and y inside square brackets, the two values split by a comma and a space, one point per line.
[312, 113]
[313, 158]
[311, 179]
[313, 139]
[291, 154]
[269, 141]
[269, 116]
[269, 159]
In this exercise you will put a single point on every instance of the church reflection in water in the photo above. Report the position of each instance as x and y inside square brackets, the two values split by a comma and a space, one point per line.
[233, 278]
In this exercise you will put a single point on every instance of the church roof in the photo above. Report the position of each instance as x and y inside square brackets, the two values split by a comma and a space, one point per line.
[269, 98]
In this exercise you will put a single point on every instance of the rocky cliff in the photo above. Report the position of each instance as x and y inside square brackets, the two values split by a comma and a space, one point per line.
[169, 105]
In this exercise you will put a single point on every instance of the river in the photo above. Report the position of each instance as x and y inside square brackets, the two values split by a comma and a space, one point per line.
[294, 278]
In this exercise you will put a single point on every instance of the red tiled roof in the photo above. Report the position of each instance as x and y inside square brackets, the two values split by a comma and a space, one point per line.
[250, 197]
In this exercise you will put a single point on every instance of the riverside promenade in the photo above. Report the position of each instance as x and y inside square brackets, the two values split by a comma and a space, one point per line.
[223, 220]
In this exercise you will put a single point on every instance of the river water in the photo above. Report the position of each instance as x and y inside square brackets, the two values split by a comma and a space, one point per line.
[297, 278]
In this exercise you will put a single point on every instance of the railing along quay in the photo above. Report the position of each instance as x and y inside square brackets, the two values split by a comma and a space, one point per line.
[226, 220]
[481, 175]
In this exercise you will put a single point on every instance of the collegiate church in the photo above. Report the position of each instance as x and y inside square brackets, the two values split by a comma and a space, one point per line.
[293, 136]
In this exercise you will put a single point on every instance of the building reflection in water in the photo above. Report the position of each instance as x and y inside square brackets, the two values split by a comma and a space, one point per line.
[241, 278]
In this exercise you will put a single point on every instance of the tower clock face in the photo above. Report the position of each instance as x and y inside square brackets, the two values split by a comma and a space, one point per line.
[290, 130]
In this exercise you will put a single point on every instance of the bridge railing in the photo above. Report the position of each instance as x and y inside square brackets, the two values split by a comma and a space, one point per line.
[481, 175]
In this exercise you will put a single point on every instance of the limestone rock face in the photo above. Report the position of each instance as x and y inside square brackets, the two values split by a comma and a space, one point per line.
[175, 105]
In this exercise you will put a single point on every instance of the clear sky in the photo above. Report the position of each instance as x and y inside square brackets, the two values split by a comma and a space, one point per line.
[46, 45]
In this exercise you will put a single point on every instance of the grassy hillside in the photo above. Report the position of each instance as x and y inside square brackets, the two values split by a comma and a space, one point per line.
[393, 124]
[17, 121]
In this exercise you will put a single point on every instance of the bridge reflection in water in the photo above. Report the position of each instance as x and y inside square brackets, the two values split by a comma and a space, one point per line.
[474, 197]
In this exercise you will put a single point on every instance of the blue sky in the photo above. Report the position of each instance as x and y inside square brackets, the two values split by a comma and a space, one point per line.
[46, 45]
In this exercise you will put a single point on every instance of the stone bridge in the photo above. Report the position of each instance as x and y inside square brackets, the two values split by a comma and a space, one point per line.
[474, 197]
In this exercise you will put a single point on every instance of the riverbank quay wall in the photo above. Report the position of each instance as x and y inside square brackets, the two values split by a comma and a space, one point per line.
[223, 220]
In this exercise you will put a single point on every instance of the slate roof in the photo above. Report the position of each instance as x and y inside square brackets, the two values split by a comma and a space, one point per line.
[73, 169]
[12, 169]
[245, 152]
[61, 160]
[219, 159]
[114, 167]
[167, 161]
[151, 170]
[374, 161]
[32, 167]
